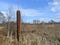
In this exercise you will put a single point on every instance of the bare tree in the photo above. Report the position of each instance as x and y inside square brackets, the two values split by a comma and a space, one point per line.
[2, 17]
[36, 21]
[52, 21]
[9, 17]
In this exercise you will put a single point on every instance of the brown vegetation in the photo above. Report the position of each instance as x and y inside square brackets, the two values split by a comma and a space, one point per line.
[33, 34]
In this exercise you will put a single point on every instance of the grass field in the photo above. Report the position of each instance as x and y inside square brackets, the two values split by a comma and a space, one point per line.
[33, 34]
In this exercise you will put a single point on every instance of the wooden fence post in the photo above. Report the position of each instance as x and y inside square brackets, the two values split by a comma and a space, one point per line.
[18, 24]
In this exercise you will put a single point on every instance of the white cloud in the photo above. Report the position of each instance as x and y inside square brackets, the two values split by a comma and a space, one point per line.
[53, 9]
[24, 12]
[31, 12]
[45, 19]
[57, 16]
[55, 5]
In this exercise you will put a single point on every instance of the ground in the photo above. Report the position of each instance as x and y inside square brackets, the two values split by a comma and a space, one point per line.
[33, 34]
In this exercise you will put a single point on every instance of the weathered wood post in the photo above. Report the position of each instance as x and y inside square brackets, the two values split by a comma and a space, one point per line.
[18, 24]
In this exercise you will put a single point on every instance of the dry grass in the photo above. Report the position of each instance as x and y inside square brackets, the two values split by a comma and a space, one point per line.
[46, 34]
[38, 39]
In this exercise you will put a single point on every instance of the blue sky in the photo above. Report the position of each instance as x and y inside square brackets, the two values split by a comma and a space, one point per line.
[43, 10]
